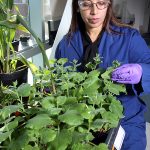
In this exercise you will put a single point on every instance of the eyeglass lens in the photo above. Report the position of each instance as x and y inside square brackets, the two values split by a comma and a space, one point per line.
[84, 5]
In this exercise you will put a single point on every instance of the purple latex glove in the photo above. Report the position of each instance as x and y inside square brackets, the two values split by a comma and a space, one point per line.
[127, 74]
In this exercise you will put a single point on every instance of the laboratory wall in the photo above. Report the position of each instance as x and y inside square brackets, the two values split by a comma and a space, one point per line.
[136, 10]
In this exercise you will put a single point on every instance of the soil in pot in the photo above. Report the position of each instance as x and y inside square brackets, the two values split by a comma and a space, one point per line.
[19, 75]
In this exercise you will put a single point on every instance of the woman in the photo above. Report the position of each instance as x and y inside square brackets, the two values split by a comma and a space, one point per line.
[94, 29]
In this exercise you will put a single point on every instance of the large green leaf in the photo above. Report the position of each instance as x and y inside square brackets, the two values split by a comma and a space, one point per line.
[71, 117]
[6, 5]
[79, 137]
[62, 61]
[84, 110]
[110, 118]
[54, 111]
[8, 24]
[22, 28]
[48, 102]
[5, 135]
[47, 135]
[24, 90]
[82, 146]
[77, 77]
[8, 110]
[89, 137]
[9, 126]
[22, 139]
[34, 69]
[61, 100]
[79, 107]
[87, 113]
[71, 100]
[107, 73]
[9, 4]
[28, 147]
[115, 89]
[67, 85]
[101, 147]
[97, 124]
[91, 86]
[97, 99]
[39, 121]
[62, 140]
[116, 108]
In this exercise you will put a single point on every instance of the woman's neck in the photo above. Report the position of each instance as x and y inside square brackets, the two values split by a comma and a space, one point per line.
[94, 33]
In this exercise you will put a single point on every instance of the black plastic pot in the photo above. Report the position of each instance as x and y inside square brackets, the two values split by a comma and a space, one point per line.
[52, 29]
[24, 38]
[109, 138]
[19, 75]
[15, 45]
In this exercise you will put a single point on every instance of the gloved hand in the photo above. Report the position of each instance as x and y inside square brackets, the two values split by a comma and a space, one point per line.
[128, 74]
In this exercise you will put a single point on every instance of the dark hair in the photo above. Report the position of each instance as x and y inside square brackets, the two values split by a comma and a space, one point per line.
[109, 19]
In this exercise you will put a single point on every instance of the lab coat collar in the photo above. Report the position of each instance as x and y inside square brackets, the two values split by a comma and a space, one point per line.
[76, 42]
[105, 44]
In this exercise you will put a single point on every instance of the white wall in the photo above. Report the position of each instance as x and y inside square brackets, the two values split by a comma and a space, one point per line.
[53, 9]
[137, 7]
[63, 28]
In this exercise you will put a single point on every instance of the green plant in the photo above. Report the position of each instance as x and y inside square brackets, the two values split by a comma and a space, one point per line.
[9, 24]
[63, 108]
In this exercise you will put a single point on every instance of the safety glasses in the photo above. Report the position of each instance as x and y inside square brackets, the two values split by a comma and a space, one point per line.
[87, 4]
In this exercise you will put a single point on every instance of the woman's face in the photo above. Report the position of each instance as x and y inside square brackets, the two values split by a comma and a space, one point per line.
[93, 12]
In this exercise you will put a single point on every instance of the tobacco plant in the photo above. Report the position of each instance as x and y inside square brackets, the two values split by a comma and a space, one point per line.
[62, 109]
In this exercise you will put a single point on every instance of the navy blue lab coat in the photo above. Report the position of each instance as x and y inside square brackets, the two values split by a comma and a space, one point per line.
[128, 47]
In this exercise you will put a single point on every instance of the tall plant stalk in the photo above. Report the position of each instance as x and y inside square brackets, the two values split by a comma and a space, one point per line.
[8, 47]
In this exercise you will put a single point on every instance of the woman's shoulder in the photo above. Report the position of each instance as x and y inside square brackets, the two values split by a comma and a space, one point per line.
[63, 40]
[124, 29]
[69, 37]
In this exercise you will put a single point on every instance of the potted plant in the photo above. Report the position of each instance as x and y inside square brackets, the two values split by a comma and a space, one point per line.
[10, 64]
[65, 109]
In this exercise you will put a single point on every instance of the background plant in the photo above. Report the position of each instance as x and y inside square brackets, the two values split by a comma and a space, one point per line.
[63, 108]
[10, 22]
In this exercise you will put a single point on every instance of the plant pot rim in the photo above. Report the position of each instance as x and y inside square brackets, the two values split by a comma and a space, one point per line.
[15, 71]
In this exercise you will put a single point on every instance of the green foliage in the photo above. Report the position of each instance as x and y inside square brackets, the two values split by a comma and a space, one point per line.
[63, 107]
[10, 23]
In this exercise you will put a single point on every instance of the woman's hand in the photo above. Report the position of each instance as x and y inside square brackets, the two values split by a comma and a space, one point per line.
[127, 74]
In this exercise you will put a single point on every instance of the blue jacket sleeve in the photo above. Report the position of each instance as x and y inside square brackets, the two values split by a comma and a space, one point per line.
[62, 48]
[145, 81]
[58, 52]
[140, 53]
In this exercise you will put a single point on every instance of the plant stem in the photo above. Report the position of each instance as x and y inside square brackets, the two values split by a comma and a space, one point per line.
[3, 147]
[68, 92]
[71, 128]
[68, 87]
[92, 143]
[41, 89]
[53, 83]
[58, 129]
[104, 104]
[89, 127]
[8, 131]
[8, 48]
[53, 86]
